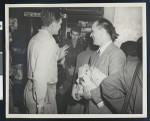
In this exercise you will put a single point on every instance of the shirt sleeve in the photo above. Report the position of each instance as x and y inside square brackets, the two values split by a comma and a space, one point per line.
[44, 55]
[117, 62]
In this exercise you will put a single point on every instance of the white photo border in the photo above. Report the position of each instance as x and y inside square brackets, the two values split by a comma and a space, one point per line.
[144, 115]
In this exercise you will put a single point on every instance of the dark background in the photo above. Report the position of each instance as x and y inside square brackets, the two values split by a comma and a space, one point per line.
[2, 18]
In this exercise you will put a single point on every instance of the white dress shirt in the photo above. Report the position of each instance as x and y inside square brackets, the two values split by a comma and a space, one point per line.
[42, 63]
[103, 48]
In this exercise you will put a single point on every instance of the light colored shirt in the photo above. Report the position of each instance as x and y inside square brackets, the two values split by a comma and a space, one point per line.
[42, 63]
[103, 48]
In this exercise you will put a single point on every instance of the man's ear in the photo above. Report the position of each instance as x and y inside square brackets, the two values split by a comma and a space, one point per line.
[52, 25]
[103, 30]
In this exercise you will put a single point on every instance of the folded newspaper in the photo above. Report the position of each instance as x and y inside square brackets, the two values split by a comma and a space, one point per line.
[90, 75]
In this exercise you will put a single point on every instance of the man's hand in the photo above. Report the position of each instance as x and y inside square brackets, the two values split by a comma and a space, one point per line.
[71, 70]
[62, 62]
[63, 51]
[74, 92]
[61, 90]
[87, 94]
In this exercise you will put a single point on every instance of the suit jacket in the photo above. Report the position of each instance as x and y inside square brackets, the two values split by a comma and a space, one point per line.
[116, 86]
[42, 59]
[112, 60]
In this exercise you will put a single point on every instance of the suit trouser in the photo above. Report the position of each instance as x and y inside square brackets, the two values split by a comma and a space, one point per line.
[93, 109]
[77, 108]
[50, 106]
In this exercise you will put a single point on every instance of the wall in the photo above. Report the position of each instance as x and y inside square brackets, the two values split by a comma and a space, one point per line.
[109, 13]
[127, 21]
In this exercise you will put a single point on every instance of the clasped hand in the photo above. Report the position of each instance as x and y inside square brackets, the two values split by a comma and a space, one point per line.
[77, 93]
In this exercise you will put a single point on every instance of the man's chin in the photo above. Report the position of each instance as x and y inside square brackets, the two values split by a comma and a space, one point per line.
[55, 34]
[95, 44]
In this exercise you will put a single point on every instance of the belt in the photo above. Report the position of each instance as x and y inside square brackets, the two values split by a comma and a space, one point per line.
[51, 84]
[48, 83]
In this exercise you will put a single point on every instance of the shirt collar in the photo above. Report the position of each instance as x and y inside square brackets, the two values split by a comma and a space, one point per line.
[103, 48]
[44, 30]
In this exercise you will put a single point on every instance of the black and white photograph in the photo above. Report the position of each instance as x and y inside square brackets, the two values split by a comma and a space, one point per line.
[76, 60]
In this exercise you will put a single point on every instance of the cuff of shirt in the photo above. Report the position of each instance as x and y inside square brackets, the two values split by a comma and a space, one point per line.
[100, 104]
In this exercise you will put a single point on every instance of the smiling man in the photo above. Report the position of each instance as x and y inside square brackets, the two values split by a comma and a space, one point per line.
[108, 59]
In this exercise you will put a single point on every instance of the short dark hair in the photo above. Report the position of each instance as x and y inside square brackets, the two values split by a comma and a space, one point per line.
[50, 15]
[108, 26]
[75, 28]
[130, 48]
[140, 49]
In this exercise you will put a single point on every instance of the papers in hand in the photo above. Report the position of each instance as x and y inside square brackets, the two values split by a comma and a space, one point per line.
[91, 76]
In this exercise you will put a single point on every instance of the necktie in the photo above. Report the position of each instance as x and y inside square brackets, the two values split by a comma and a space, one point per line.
[99, 52]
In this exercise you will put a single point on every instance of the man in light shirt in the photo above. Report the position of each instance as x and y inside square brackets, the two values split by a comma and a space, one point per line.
[42, 56]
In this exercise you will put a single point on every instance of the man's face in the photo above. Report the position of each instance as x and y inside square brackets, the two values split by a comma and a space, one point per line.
[74, 36]
[96, 34]
[56, 27]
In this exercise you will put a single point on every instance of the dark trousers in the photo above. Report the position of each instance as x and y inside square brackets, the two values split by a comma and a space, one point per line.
[62, 102]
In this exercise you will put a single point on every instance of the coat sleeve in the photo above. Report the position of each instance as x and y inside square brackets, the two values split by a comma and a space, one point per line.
[112, 90]
[116, 63]
[44, 55]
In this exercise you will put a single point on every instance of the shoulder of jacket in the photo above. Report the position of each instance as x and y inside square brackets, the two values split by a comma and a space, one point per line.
[117, 50]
